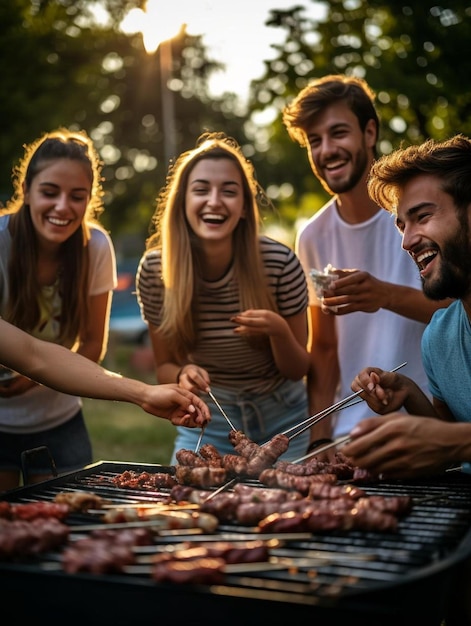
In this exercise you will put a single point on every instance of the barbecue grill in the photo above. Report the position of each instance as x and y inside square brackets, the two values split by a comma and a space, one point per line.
[372, 578]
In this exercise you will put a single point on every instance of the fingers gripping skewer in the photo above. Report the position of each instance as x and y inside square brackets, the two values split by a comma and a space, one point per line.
[211, 395]
[294, 431]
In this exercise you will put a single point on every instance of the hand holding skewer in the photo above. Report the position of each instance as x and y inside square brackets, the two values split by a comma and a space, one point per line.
[294, 431]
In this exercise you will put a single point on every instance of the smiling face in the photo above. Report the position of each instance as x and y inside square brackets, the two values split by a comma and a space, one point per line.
[214, 199]
[340, 153]
[436, 237]
[58, 199]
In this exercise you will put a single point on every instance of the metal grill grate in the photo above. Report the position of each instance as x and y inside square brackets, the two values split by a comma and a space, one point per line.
[371, 577]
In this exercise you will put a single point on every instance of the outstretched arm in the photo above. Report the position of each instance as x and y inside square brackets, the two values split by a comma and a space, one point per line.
[61, 369]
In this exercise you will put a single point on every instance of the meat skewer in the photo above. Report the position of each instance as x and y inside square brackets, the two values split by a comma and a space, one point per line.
[310, 421]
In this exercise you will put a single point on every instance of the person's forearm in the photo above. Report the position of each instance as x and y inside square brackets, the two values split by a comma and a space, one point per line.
[59, 368]
[168, 372]
[417, 402]
[412, 303]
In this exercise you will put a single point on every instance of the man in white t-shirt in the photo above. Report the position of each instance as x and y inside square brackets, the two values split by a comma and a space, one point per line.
[375, 312]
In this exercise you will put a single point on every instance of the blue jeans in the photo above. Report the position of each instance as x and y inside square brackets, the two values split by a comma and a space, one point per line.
[259, 416]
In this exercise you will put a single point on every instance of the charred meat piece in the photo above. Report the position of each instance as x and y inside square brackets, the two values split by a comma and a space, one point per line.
[20, 537]
[243, 445]
[234, 464]
[200, 476]
[203, 571]
[145, 480]
[35, 510]
[267, 454]
[276, 478]
[190, 458]
[211, 454]
[79, 501]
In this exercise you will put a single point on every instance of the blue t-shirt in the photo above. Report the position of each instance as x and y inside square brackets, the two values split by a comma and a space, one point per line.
[446, 354]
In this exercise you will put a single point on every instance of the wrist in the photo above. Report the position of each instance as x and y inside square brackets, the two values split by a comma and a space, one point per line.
[317, 443]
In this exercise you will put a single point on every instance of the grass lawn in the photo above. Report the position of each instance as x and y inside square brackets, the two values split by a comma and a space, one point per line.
[122, 431]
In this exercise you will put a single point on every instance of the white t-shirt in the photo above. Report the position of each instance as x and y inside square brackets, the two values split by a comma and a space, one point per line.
[41, 408]
[382, 339]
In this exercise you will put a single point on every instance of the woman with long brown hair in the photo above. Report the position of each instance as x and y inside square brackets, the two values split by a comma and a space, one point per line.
[57, 273]
[226, 306]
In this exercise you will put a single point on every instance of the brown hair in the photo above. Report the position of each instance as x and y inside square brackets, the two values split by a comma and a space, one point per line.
[321, 93]
[448, 160]
[23, 308]
[180, 252]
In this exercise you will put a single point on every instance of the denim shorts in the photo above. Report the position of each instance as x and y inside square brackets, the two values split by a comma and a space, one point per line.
[69, 446]
[259, 416]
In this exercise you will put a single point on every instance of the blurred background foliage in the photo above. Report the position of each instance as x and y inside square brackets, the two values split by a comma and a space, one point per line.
[61, 68]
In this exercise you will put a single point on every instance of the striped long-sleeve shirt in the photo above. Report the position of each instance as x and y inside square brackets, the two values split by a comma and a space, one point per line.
[229, 359]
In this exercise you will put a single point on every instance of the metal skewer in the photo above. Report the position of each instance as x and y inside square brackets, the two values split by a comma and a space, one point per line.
[230, 483]
[327, 446]
[310, 421]
[211, 395]
[198, 443]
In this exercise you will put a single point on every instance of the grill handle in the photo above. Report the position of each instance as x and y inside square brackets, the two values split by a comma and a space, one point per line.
[28, 455]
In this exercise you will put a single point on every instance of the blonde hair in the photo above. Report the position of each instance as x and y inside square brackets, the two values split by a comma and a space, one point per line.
[179, 248]
[24, 289]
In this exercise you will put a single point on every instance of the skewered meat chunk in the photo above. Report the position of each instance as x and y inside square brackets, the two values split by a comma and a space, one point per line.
[203, 571]
[277, 478]
[128, 536]
[232, 552]
[190, 458]
[399, 505]
[363, 475]
[243, 445]
[324, 490]
[97, 556]
[206, 564]
[163, 520]
[248, 493]
[144, 480]
[234, 464]
[5, 510]
[223, 506]
[104, 550]
[328, 520]
[79, 501]
[211, 454]
[201, 476]
[267, 454]
[20, 537]
[314, 466]
[34, 510]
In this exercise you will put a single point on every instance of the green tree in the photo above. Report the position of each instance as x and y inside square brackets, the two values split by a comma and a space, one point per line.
[60, 68]
[412, 55]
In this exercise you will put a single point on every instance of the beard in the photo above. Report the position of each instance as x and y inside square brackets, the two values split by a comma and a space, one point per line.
[360, 165]
[455, 271]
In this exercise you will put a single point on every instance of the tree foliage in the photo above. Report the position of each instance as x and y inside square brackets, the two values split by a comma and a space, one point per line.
[62, 68]
[411, 53]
